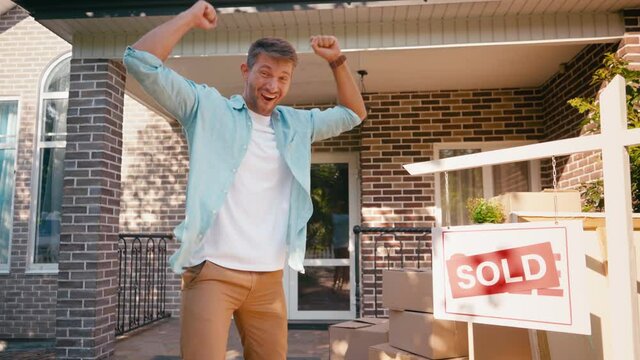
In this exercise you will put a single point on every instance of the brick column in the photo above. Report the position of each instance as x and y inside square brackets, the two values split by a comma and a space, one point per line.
[88, 263]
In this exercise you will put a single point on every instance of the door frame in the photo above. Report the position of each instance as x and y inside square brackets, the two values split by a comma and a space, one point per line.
[290, 276]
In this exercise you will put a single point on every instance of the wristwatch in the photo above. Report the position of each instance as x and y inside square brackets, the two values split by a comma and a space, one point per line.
[337, 62]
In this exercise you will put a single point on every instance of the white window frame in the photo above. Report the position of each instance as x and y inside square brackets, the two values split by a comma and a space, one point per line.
[487, 173]
[291, 286]
[6, 268]
[33, 268]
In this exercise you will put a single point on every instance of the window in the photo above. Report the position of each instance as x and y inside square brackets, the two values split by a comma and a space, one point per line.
[8, 145]
[49, 167]
[487, 181]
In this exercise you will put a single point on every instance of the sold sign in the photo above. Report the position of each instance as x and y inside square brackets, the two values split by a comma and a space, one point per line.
[528, 275]
[508, 270]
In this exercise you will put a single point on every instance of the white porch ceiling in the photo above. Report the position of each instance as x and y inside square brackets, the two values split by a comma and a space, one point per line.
[477, 67]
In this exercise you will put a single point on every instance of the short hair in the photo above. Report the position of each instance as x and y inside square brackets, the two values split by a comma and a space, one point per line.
[274, 47]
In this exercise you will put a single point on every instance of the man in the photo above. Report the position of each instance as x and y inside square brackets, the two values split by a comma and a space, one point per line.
[248, 191]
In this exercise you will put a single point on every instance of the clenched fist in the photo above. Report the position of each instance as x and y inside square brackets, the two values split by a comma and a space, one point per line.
[325, 46]
[203, 15]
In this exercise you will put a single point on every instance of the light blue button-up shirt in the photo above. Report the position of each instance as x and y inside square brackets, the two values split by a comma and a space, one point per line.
[218, 131]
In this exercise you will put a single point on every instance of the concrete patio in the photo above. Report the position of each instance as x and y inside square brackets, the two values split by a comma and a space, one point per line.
[161, 341]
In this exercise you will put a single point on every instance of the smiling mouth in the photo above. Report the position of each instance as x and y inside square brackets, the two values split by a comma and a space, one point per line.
[268, 97]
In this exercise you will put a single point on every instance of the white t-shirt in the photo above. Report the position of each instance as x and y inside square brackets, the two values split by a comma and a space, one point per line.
[250, 230]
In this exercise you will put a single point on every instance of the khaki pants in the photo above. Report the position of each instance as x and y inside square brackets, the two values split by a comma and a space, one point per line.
[212, 293]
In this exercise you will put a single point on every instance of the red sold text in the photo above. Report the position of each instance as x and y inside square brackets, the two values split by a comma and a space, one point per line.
[508, 270]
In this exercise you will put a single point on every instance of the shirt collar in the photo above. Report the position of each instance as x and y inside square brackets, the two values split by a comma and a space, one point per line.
[237, 102]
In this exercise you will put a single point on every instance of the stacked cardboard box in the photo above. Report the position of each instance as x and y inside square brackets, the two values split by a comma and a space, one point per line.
[351, 340]
[412, 328]
[414, 333]
[388, 352]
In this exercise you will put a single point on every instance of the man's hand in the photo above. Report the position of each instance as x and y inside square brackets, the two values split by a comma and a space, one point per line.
[326, 47]
[204, 15]
[161, 40]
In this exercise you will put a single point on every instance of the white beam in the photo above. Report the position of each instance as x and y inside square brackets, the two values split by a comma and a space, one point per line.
[521, 153]
[509, 155]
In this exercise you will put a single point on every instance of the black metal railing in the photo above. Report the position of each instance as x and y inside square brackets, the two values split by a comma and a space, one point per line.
[393, 241]
[142, 278]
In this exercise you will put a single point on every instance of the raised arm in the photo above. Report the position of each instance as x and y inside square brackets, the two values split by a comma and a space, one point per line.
[144, 61]
[161, 40]
[327, 47]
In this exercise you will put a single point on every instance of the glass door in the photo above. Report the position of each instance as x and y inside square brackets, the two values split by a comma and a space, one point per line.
[326, 291]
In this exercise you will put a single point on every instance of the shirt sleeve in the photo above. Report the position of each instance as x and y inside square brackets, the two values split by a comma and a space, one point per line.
[332, 122]
[176, 94]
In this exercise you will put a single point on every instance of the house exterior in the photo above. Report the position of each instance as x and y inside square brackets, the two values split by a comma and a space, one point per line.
[86, 155]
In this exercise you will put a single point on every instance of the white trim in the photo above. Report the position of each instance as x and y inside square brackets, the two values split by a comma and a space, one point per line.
[35, 268]
[291, 277]
[327, 262]
[54, 95]
[487, 171]
[42, 269]
[6, 268]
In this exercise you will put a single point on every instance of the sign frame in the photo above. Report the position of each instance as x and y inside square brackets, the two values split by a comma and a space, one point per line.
[537, 308]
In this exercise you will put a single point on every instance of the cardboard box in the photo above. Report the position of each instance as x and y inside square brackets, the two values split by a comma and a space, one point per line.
[513, 343]
[388, 352]
[350, 340]
[420, 333]
[568, 201]
[408, 289]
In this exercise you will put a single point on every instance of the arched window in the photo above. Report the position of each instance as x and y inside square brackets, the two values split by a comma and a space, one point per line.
[47, 191]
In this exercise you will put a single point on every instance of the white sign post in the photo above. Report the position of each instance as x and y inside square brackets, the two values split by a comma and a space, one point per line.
[528, 275]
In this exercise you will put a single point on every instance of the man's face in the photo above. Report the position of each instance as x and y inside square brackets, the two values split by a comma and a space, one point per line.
[267, 83]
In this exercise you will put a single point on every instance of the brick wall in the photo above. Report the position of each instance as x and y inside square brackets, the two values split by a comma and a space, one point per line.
[563, 121]
[155, 167]
[27, 302]
[402, 128]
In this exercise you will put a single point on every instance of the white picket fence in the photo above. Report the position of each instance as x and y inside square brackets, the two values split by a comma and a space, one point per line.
[612, 141]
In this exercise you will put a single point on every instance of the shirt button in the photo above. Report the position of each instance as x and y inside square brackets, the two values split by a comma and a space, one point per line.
[234, 170]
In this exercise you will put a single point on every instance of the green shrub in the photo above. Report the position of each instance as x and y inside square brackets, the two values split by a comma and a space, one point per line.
[483, 211]
[593, 192]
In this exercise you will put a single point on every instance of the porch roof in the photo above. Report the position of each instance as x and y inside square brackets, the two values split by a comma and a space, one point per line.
[404, 45]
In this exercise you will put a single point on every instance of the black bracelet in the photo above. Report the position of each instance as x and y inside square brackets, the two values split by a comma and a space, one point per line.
[337, 62]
